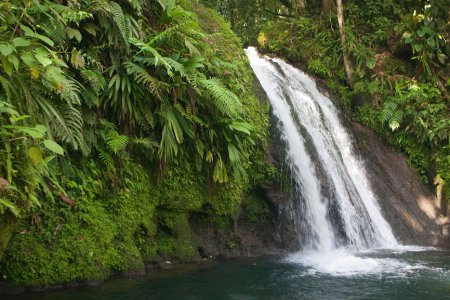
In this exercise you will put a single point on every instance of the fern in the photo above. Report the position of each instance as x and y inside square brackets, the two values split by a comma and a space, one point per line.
[224, 100]
[223, 65]
[119, 19]
[55, 30]
[95, 79]
[116, 142]
[147, 143]
[66, 87]
[391, 115]
[107, 160]
[137, 5]
[141, 75]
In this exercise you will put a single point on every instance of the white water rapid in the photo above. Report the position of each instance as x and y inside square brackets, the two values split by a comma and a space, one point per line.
[338, 214]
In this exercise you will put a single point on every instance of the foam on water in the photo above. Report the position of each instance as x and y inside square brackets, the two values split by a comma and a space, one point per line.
[341, 262]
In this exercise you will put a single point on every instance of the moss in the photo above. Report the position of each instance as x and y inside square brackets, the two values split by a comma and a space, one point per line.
[133, 217]
[175, 241]
[86, 242]
[256, 209]
[7, 228]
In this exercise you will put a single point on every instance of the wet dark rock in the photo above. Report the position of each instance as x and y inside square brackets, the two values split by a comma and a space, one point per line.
[94, 282]
[9, 288]
[407, 204]
[135, 272]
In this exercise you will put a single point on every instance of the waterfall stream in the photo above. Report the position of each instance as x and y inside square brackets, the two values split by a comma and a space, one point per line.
[336, 208]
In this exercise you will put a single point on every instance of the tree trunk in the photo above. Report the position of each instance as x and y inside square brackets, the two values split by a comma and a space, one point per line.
[347, 62]
[440, 183]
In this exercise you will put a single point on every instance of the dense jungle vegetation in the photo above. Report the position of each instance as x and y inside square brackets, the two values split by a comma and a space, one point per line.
[387, 62]
[119, 119]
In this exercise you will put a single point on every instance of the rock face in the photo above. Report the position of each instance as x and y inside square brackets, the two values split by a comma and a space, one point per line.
[406, 203]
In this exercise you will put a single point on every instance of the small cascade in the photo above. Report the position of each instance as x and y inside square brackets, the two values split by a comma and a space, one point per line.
[335, 205]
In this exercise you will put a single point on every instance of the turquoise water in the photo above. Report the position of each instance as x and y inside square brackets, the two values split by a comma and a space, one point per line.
[375, 275]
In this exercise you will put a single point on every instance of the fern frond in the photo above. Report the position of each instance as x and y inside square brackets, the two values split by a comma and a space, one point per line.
[141, 75]
[66, 87]
[55, 30]
[224, 100]
[95, 79]
[116, 142]
[119, 19]
[107, 160]
[147, 143]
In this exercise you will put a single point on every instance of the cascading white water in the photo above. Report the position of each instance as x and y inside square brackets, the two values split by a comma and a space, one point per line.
[338, 208]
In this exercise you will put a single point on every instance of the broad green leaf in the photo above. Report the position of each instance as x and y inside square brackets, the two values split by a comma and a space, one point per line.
[31, 33]
[242, 127]
[27, 30]
[442, 58]
[6, 49]
[233, 153]
[420, 33]
[42, 56]
[40, 128]
[7, 66]
[77, 59]
[418, 47]
[406, 35]
[35, 155]
[54, 147]
[37, 132]
[44, 39]
[21, 42]
[14, 61]
[73, 33]
[91, 28]
[28, 59]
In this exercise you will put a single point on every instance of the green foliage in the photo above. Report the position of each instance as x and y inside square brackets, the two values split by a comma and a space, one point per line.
[427, 33]
[399, 52]
[25, 168]
[256, 210]
[133, 125]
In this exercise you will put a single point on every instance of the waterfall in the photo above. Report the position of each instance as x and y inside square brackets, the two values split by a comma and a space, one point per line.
[336, 207]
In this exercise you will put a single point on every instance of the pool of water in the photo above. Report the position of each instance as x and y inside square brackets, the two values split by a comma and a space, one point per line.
[405, 273]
